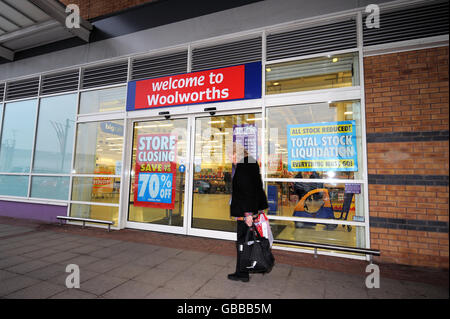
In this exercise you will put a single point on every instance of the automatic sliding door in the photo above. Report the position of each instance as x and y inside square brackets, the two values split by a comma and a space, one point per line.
[158, 172]
[215, 138]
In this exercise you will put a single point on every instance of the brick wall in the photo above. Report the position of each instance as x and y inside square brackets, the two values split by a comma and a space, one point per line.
[90, 9]
[407, 113]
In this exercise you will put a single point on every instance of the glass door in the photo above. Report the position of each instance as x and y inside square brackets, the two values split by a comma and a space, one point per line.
[216, 141]
[158, 175]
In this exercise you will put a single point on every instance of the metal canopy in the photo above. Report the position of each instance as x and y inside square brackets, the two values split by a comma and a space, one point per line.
[25, 24]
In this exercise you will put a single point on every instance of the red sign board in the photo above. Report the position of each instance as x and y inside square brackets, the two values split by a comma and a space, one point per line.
[224, 84]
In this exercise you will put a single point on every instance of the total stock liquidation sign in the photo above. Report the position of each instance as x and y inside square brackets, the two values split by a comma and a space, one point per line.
[155, 170]
[225, 84]
[329, 146]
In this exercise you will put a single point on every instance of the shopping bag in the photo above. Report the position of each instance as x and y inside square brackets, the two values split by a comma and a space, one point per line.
[263, 227]
[256, 254]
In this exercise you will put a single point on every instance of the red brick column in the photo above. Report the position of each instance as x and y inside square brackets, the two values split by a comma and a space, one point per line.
[407, 113]
[90, 9]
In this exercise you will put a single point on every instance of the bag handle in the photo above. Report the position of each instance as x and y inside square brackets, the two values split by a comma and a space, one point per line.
[247, 235]
[255, 231]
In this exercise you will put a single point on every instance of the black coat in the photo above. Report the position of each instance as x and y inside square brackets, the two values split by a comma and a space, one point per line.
[248, 193]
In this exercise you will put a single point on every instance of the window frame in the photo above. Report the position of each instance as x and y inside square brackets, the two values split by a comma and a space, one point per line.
[318, 96]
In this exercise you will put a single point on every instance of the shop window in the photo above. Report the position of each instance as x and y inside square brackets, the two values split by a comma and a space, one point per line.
[51, 187]
[14, 185]
[105, 100]
[17, 136]
[318, 141]
[334, 71]
[315, 146]
[100, 212]
[322, 204]
[98, 153]
[96, 189]
[54, 141]
[99, 148]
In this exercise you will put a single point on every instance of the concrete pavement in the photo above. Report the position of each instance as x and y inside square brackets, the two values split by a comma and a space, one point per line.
[33, 265]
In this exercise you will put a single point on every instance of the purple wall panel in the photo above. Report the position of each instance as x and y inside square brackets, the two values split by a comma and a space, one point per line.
[32, 211]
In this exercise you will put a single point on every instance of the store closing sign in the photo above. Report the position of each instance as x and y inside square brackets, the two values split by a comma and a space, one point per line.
[224, 84]
[155, 171]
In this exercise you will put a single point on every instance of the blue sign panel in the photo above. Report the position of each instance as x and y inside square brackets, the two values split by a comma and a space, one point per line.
[155, 187]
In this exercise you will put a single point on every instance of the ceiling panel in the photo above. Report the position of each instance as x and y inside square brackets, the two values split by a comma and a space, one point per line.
[15, 15]
[28, 9]
[7, 25]
[50, 35]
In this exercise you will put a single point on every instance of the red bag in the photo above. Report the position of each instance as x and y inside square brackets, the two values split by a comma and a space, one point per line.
[263, 227]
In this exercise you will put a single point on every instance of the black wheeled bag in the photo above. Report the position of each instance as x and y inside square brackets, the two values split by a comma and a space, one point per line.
[255, 253]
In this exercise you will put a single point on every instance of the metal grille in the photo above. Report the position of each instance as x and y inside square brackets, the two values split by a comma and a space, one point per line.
[60, 82]
[22, 89]
[228, 54]
[407, 24]
[108, 74]
[323, 38]
[157, 66]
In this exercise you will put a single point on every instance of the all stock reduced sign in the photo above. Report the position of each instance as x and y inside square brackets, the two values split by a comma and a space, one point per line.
[155, 171]
[329, 146]
[225, 84]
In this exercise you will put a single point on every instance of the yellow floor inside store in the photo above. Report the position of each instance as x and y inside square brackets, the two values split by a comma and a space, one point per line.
[215, 208]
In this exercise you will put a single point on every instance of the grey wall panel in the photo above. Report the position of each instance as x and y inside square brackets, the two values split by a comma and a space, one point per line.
[252, 16]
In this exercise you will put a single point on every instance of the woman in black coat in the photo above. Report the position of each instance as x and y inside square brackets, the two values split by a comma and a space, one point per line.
[247, 199]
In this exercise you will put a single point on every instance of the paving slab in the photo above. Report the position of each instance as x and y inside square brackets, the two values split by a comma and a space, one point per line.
[101, 284]
[14, 284]
[41, 290]
[130, 290]
[27, 267]
[73, 293]
[127, 271]
[168, 293]
[154, 276]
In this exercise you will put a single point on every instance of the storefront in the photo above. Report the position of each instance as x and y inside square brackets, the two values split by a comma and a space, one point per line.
[147, 140]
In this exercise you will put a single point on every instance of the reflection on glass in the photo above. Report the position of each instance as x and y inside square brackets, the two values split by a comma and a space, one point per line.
[313, 74]
[278, 119]
[17, 136]
[99, 212]
[104, 100]
[99, 148]
[96, 189]
[50, 187]
[53, 151]
[157, 182]
[321, 201]
[13, 185]
[213, 169]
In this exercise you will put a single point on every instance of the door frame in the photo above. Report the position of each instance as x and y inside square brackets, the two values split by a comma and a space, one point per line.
[195, 112]
[209, 232]
[127, 170]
